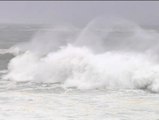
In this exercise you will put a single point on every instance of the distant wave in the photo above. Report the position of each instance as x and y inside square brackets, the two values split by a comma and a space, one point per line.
[4, 51]
[9, 51]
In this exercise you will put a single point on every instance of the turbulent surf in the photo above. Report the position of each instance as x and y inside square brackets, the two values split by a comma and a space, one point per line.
[107, 53]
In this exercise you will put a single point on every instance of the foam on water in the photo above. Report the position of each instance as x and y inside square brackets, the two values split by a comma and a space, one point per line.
[107, 53]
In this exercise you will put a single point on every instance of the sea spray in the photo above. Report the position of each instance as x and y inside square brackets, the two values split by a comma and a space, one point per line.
[107, 53]
[117, 34]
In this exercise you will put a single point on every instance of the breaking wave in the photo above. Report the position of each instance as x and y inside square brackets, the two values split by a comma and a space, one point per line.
[107, 53]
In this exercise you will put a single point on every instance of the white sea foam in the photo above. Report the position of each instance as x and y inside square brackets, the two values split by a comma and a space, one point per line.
[5, 51]
[107, 53]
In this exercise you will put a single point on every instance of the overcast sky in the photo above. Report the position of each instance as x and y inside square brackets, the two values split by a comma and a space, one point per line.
[78, 12]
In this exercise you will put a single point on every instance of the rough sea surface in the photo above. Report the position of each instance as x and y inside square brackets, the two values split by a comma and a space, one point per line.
[64, 100]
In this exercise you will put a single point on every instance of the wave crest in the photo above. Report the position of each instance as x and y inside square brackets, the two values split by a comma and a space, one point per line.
[127, 58]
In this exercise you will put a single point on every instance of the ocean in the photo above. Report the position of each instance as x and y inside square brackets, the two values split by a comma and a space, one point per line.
[107, 70]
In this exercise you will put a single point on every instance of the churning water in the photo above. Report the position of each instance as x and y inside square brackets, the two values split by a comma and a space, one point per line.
[108, 70]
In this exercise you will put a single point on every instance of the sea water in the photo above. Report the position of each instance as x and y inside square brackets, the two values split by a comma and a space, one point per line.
[107, 70]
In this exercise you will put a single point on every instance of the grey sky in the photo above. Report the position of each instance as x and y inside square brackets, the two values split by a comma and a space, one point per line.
[78, 12]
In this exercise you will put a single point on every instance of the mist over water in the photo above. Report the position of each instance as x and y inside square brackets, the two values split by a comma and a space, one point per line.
[109, 53]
